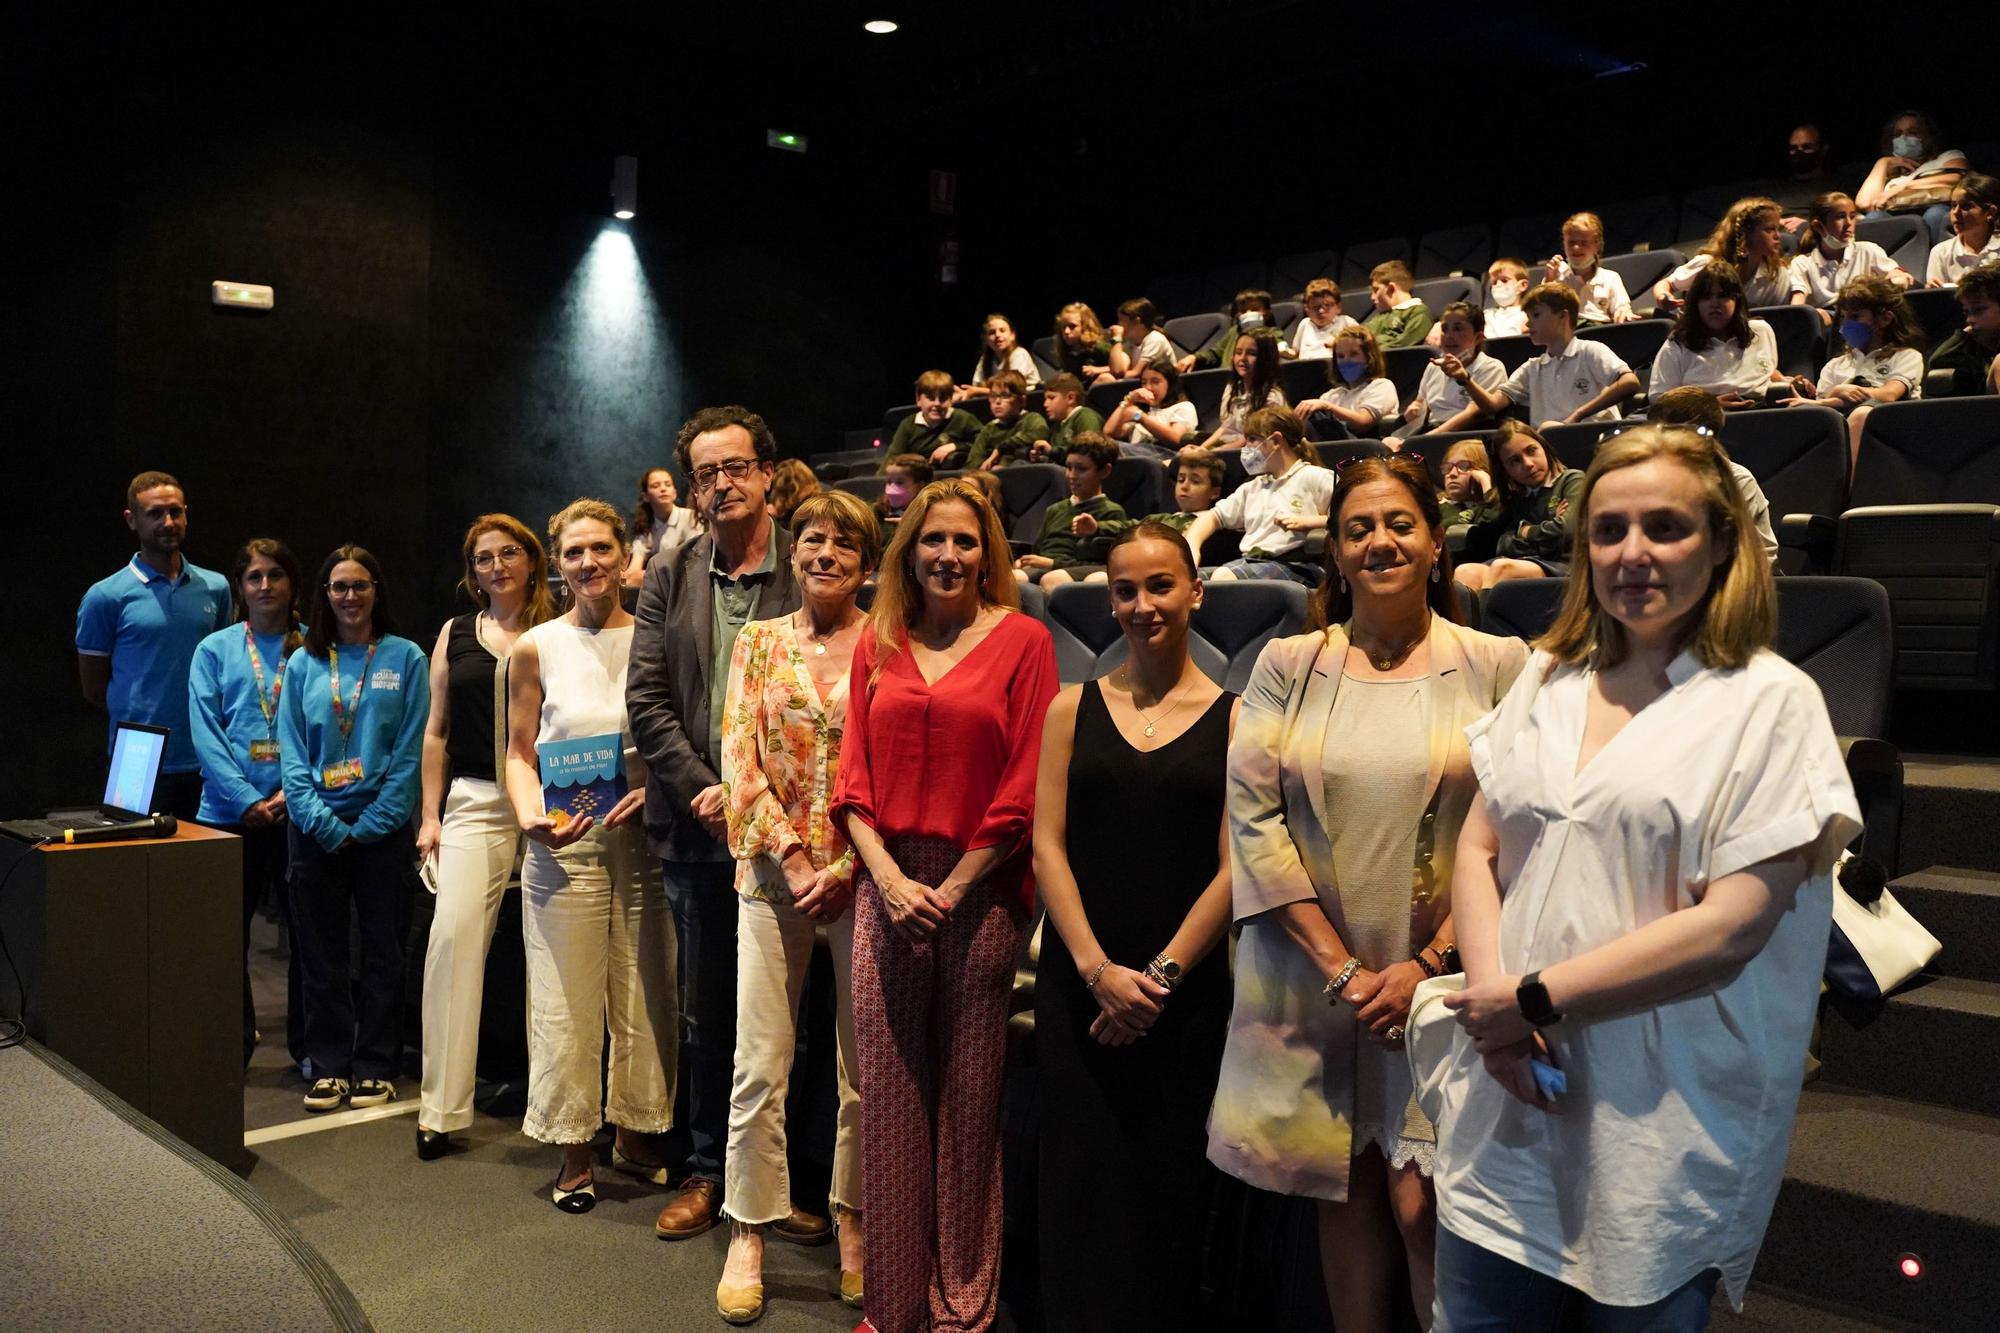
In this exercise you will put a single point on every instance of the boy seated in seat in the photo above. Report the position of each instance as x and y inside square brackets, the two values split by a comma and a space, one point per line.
[938, 431]
[1399, 319]
[1010, 437]
[1073, 529]
[1968, 353]
[1574, 379]
[1199, 477]
[1066, 415]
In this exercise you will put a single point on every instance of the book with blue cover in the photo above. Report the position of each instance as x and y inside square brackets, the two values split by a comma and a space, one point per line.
[584, 775]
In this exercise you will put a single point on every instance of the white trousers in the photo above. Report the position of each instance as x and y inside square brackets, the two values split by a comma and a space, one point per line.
[600, 945]
[774, 944]
[474, 859]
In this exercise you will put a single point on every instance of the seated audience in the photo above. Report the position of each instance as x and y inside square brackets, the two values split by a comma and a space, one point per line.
[1283, 502]
[1702, 411]
[1251, 311]
[1807, 174]
[1751, 237]
[1065, 416]
[1461, 338]
[1399, 319]
[1600, 292]
[1199, 478]
[1716, 346]
[1830, 257]
[1014, 431]
[1914, 172]
[791, 482]
[1155, 418]
[1975, 207]
[1969, 352]
[1253, 384]
[938, 431]
[1882, 363]
[999, 349]
[907, 474]
[1574, 379]
[1137, 340]
[1072, 529]
[1469, 498]
[1360, 395]
[658, 522]
[1531, 536]
[1506, 288]
[1323, 319]
[1083, 349]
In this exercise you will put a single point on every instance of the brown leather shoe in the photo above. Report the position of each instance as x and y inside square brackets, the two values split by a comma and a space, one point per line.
[803, 1228]
[694, 1210]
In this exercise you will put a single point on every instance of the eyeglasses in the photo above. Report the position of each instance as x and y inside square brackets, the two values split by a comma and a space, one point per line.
[1456, 465]
[506, 555]
[736, 469]
[354, 589]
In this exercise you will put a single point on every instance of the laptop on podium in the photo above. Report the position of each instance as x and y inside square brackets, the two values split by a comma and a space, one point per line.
[137, 752]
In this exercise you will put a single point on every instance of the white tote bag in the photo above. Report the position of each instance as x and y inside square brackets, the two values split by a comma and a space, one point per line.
[1875, 947]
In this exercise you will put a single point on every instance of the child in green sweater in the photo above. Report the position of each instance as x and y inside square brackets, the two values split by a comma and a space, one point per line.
[938, 430]
[1199, 476]
[1073, 529]
[1012, 434]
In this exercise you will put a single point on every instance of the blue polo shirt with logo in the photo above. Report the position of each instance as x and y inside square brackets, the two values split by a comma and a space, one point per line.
[149, 625]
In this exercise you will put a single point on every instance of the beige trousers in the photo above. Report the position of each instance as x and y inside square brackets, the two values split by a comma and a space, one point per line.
[475, 856]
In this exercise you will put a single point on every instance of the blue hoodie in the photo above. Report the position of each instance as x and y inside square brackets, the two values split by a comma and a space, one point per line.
[388, 738]
[224, 717]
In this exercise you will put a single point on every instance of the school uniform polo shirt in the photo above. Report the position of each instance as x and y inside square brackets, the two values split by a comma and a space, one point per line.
[1552, 387]
[149, 625]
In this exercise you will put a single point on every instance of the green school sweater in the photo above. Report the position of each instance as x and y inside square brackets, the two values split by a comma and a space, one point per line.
[1056, 541]
[1011, 440]
[914, 437]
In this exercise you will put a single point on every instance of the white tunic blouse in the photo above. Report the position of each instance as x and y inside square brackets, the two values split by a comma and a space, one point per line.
[1667, 1157]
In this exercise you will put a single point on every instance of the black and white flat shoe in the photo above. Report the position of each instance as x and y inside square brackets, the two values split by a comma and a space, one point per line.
[579, 1200]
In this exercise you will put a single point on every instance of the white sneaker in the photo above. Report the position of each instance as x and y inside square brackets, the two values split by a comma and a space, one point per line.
[372, 1092]
[326, 1094]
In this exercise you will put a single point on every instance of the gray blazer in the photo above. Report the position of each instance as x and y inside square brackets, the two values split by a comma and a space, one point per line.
[666, 686]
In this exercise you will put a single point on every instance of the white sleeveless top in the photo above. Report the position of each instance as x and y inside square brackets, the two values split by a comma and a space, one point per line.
[583, 685]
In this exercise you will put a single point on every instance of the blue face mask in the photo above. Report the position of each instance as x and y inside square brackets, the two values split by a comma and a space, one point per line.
[1351, 371]
[1857, 335]
[1906, 145]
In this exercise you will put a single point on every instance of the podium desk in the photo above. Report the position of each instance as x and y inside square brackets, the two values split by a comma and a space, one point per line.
[132, 956]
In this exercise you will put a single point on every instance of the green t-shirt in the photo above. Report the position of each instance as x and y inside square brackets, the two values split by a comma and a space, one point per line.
[1400, 328]
[1057, 542]
[1968, 361]
[1076, 423]
[914, 437]
[1011, 440]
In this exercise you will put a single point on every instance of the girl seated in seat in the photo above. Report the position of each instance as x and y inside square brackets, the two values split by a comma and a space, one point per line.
[1750, 238]
[1599, 291]
[1253, 364]
[1468, 497]
[1975, 207]
[1156, 417]
[999, 349]
[1716, 346]
[1883, 362]
[1531, 537]
[1360, 397]
[1830, 257]
[1083, 348]
[1137, 340]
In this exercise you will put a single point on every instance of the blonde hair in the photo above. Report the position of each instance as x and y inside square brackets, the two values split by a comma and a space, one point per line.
[1089, 331]
[577, 511]
[1739, 613]
[1473, 452]
[899, 598]
[540, 606]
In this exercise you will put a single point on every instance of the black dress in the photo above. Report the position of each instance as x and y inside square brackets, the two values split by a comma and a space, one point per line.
[1125, 1180]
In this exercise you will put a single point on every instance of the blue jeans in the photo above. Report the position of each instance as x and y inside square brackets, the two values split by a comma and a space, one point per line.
[703, 896]
[1298, 571]
[1480, 1292]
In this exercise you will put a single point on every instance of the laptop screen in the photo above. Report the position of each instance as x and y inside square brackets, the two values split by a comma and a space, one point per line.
[136, 755]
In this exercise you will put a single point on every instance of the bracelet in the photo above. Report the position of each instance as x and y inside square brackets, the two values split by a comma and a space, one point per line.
[1430, 969]
[1091, 985]
[1340, 980]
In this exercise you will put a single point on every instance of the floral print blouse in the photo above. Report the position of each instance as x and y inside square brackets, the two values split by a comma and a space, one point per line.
[780, 761]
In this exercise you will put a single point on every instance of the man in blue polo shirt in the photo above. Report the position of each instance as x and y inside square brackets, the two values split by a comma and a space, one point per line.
[136, 633]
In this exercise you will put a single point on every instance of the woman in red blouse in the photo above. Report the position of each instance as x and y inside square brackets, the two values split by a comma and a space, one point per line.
[937, 791]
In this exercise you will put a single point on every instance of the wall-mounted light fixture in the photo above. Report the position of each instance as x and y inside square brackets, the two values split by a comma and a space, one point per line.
[624, 188]
[241, 295]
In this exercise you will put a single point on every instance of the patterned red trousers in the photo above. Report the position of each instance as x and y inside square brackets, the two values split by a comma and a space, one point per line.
[930, 1019]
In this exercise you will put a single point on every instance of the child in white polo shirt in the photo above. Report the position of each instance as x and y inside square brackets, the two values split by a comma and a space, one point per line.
[1506, 283]
[1323, 319]
[1830, 256]
[1600, 292]
[1881, 363]
[1572, 380]
[1716, 346]
[1975, 238]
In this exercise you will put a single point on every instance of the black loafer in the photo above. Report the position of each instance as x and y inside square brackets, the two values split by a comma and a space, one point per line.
[432, 1144]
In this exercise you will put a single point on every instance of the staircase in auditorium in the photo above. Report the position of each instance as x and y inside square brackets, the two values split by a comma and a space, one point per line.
[1891, 1202]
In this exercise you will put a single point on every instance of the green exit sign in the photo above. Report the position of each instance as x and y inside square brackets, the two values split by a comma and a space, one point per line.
[785, 140]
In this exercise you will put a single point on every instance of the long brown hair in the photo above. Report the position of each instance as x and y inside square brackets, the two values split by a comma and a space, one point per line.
[541, 605]
[1503, 485]
[1739, 613]
[899, 598]
[1332, 602]
[280, 555]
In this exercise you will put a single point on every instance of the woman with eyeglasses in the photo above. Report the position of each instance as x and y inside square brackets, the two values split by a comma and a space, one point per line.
[470, 844]
[350, 740]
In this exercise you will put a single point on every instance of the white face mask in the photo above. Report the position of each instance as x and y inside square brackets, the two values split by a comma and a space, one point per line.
[1906, 145]
[1255, 460]
[1506, 294]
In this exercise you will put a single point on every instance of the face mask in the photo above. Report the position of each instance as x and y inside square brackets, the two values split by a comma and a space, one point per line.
[1830, 243]
[1506, 294]
[1803, 158]
[1351, 371]
[896, 494]
[1250, 319]
[1856, 334]
[1906, 145]
[1255, 459]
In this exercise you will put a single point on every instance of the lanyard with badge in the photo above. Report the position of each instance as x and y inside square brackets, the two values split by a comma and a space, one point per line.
[266, 750]
[348, 770]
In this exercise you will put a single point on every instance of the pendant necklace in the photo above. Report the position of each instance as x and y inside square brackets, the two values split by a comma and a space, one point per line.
[1154, 721]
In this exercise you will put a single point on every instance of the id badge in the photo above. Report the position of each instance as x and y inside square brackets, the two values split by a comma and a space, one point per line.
[343, 774]
[263, 752]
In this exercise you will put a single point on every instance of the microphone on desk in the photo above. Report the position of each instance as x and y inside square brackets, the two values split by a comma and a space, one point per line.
[152, 826]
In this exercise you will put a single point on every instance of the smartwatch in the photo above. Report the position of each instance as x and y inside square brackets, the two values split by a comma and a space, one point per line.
[1533, 998]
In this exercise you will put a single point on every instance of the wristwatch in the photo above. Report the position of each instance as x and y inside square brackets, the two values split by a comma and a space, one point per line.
[1533, 998]
[1449, 960]
[1165, 971]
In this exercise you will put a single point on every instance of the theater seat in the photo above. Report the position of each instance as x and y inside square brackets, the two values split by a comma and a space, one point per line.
[1360, 259]
[868, 488]
[1801, 335]
[1304, 379]
[1028, 489]
[1285, 316]
[1173, 291]
[1524, 608]
[1646, 224]
[1839, 632]
[1512, 352]
[1290, 274]
[1904, 236]
[1636, 343]
[1457, 250]
[1204, 389]
[1104, 398]
[1799, 457]
[1531, 238]
[1139, 486]
[1437, 293]
[1356, 304]
[1640, 271]
[1930, 453]
[1406, 371]
[1937, 310]
[1220, 284]
[1234, 622]
[1191, 333]
[1940, 564]
[1576, 444]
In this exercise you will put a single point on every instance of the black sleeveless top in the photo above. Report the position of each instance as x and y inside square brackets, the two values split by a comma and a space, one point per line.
[469, 671]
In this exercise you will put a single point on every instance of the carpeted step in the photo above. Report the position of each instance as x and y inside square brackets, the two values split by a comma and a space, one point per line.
[1961, 908]
[1951, 810]
[1871, 1178]
[1769, 1309]
[1933, 1042]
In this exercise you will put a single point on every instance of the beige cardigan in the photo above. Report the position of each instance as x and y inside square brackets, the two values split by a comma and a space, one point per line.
[1275, 1123]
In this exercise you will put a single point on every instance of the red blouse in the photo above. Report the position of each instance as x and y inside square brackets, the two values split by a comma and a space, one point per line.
[956, 759]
